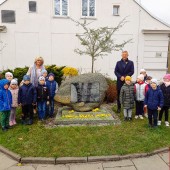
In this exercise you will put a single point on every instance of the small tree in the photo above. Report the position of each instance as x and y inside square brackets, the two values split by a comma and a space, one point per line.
[99, 41]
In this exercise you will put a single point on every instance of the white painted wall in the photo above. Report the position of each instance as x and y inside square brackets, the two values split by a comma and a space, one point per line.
[54, 38]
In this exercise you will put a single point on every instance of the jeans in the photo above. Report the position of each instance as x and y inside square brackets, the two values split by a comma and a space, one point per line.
[41, 109]
[152, 114]
[50, 107]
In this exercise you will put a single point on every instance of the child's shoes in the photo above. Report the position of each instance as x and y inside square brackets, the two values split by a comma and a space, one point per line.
[136, 117]
[159, 123]
[14, 122]
[140, 116]
[11, 123]
[166, 123]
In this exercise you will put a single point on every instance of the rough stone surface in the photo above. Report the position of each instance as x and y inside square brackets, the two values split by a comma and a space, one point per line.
[65, 160]
[38, 160]
[64, 93]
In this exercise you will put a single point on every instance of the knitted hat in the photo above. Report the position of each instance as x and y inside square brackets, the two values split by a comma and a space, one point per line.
[51, 74]
[154, 81]
[41, 78]
[128, 78]
[43, 71]
[39, 58]
[142, 70]
[14, 81]
[8, 74]
[26, 78]
[141, 77]
[167, 76]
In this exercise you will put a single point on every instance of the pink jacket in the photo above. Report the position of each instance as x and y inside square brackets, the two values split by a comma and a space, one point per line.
[14, 93]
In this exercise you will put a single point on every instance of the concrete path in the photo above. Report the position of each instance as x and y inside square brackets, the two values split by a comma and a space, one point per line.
[156, 162]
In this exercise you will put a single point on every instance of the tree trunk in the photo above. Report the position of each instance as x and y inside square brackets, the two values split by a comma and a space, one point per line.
[92, 68]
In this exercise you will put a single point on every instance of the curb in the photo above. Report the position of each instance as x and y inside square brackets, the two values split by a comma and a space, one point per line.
[66, 160]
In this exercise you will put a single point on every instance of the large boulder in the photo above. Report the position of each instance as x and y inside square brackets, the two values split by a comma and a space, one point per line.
[67, 96]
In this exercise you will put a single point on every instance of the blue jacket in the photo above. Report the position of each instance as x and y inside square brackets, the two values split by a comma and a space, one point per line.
[5, 97]
[52, 86]
[154, 99]
[123, 69]
[27, 94]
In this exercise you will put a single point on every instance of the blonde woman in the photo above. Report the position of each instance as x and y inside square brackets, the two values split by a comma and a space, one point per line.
[35, 71]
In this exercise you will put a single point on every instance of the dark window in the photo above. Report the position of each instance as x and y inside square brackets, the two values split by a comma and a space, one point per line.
[32, 6]
[116, 9]
[8, 16]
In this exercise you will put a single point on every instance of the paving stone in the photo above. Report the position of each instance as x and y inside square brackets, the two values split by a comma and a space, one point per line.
[117, 164]
[6, 162]
[38, 160]
[53, 167]
[26, 167]
[87, 166]
[151, 163]
[103, 158]
[121, 168]
[165, 157]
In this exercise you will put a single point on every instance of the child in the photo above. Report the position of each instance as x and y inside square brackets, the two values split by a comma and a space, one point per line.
[5, 104]
[153, 102]
[140, 89]
[44, 74]
[14, 91]
[9, 76]
[127, 98]
[42, 97]
[143, 71]
[148, 86]
[53, 87]
[165, 87]
[27, 99]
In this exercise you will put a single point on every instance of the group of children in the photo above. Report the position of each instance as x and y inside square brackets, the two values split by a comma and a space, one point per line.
[148, 96]
[27, 96]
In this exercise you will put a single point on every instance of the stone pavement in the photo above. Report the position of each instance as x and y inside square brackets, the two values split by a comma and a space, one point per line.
[155, 162]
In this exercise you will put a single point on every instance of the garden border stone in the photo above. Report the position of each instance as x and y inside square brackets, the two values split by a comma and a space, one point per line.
[65, 160]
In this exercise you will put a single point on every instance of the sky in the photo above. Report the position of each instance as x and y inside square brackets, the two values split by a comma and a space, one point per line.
[160, 8]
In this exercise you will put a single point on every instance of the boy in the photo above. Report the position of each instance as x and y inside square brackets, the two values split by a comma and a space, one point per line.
[5, 104]
[52, 85]
[42, 98]
[27, 99]
[127, 98]
[153, 102]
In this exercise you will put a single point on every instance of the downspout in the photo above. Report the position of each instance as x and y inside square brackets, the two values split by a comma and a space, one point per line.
[137, 58]
[168, 57]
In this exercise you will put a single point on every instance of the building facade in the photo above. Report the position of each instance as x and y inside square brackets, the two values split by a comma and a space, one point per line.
[44, 28]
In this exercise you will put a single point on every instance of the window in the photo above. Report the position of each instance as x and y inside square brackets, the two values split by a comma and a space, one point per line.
[32, 6]
[8, 16]
[61, 7]
[88, 8]
[116, 9]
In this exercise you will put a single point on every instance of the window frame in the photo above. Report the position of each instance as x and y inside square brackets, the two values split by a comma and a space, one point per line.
[118, 9]
[14, 16]
[29, 7]
[88, 16]
[61, 16]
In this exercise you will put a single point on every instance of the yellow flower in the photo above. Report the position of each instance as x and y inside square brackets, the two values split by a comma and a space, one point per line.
[70, 71]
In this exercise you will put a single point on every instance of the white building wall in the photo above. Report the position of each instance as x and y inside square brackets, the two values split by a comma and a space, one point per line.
[54, 38]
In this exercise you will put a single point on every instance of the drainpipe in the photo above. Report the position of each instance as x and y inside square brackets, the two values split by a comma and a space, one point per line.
[168, 57]
[137, 58]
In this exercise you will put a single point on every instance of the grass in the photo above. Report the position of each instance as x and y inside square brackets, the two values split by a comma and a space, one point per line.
[127, 138]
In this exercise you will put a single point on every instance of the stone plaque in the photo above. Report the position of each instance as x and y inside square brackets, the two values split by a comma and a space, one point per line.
[85, 92]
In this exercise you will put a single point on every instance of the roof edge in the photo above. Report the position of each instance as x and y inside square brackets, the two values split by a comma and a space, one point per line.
[153, 16]
[3, 2]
